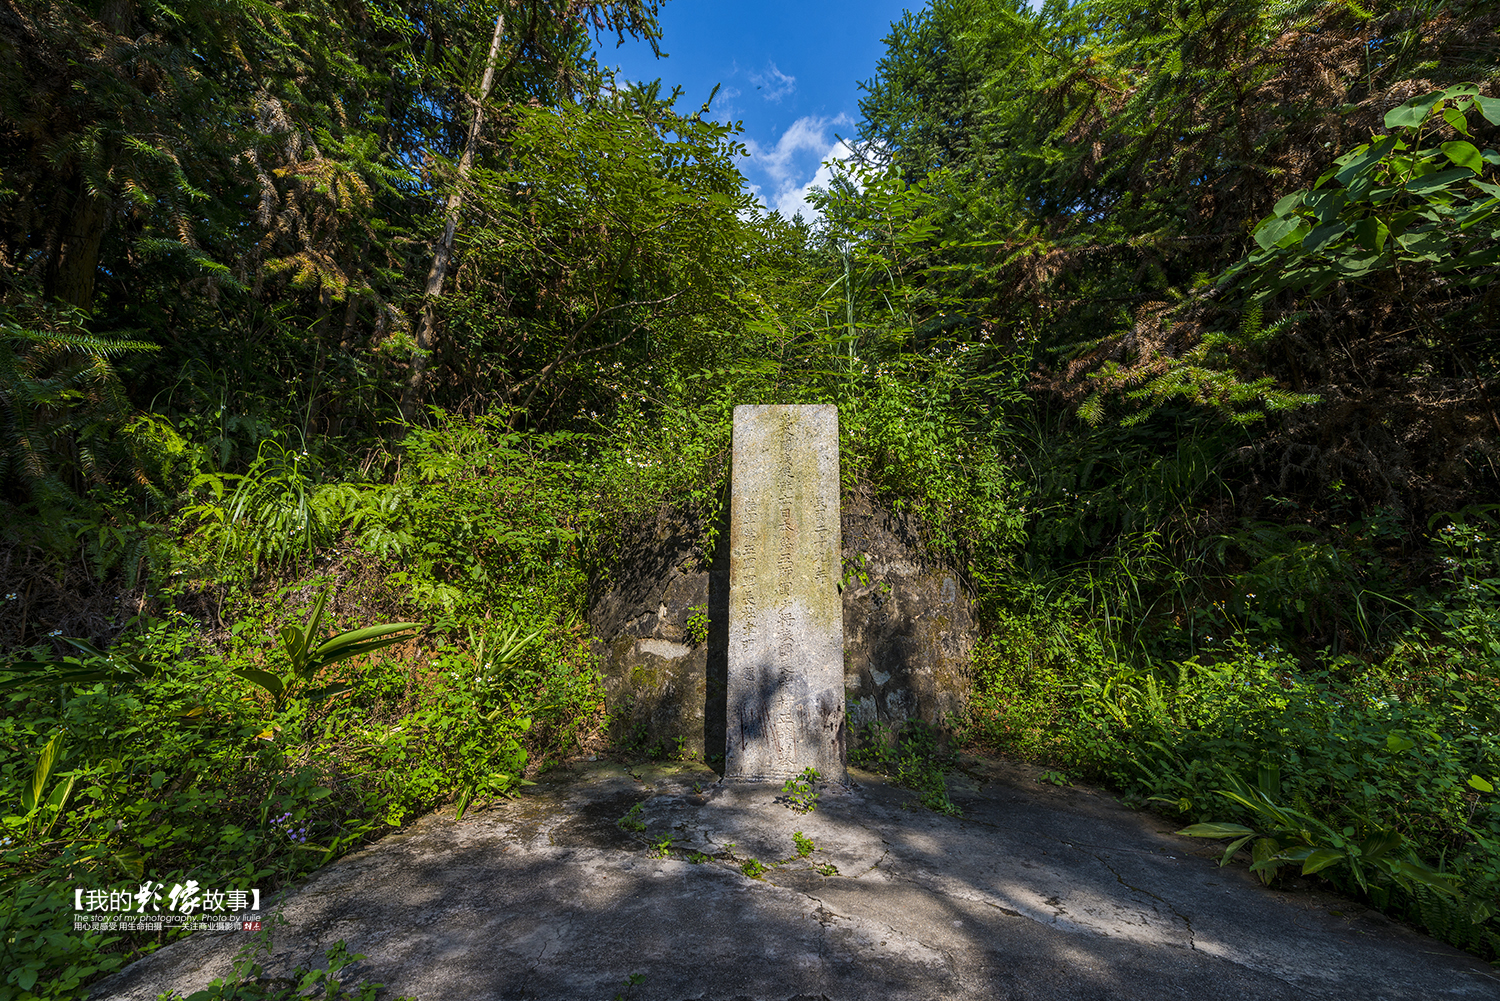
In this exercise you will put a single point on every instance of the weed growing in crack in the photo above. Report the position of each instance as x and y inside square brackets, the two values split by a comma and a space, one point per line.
[805, 846]
[629, 985]
[799, 792]
[246, 980]
[912, 757]
[632, 821]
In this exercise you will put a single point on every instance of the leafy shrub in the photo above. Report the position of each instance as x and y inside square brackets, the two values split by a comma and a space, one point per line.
[912, 755]
[1384, 771]
[800, 793]
[282, 507]
[912, 428]
[185, 772]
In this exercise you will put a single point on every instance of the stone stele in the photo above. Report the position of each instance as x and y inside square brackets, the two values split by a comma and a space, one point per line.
[785, 701]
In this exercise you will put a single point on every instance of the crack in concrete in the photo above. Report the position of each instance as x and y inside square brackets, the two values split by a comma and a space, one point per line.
[1102, 860]
[525, 977]
[1188, 924]
[827, 918]
[875, 865]
[1192, 940]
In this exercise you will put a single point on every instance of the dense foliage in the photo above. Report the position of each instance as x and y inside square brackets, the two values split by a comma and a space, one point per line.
[1174, 323]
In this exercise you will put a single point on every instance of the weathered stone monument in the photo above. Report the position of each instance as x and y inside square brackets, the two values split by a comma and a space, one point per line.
[785, 679]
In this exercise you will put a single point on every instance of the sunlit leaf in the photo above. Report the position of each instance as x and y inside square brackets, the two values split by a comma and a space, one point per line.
[265, 679]
[1288, 204]
[1489, 107]
[46, 759]
[1436, 181]
[1320, 859]
[1216, 830]
[328, 691]
[1361, 163]
[1296, 236]
[1413, 112]
[1463, 154]
[1327, 204]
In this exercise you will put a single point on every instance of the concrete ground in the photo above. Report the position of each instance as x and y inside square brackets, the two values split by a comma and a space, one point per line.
[1036, 893]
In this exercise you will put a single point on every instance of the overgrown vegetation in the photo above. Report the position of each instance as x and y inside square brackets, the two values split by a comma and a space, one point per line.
[1175, 323]
[912, 756]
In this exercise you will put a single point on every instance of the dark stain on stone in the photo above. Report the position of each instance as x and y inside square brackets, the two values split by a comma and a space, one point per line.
[595, 824]
[716, 685]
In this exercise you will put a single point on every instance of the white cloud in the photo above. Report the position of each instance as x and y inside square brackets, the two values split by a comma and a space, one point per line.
[806, 135]
[775, 83]
[796, 164]
[791, 200]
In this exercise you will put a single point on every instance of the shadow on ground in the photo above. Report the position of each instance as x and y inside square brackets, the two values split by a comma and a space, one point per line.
[1036, 893]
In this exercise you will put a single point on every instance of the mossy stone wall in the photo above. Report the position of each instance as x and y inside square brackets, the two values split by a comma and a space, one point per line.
[909, 632]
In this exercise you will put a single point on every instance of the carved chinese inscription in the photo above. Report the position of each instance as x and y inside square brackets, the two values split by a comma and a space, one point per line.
[786, 631]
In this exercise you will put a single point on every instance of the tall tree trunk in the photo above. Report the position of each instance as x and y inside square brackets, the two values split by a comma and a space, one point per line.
[75, 265]
[412, 392]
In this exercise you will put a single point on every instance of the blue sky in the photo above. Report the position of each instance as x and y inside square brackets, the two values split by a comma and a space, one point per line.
[790, 73]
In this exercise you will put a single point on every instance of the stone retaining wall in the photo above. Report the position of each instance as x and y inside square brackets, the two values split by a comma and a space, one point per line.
[908, 632]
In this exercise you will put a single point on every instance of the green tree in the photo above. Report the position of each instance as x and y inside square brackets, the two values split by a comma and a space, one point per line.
[609, 233]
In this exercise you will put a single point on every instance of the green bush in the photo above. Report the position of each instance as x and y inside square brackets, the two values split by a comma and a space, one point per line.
[912, 755]
[191, 771]
[1392, 759]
